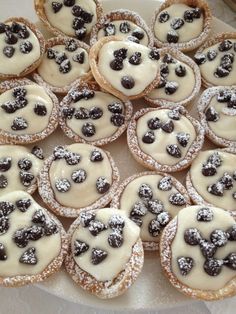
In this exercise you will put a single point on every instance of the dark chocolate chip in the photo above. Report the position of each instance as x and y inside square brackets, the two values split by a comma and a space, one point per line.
[102, 185]
[211, 114]
[20, 238]
[205, 214]
[38, 217]
[19, 124]
[40, 109]
[148, 137]
[10, 38]
[6, 208]
[183, 138]
[185, 265]
[154, 227]
[5, 164]
[19, 92]
[95, 227]
[68, 112]
[162, 82]
[80, 247]
[208, 249]
[145, 192]
[81, 33]
[125, 27]
[35, 233]
[69, 3]
[127, 82]
[215, 159]
[116, 222]
[79, 57]
[4, 224]
[137, 220]
[96, 155]
[168, 59]
[23, 204]
[15, 27]
[109, 29]
[2, 28]
[23, 32]
[192, 236]
[168, 126]
[71, 44]
[225, 45]
[230, 261]
[211, 54]
[76, 10]
[86, 16]
[138, 209]
[115, 239]
[60, 57]
[188, 16]
[174, 114]
[29, 257]
[98, 256]
[81, 113]
[223, 96]
[117, 119]
[216, 189]
[154, 123]
[164, 69]
[78, 23]
[59, 152]
[3, 253]
[56, 6]
[50, 228]
[115, 107]
[26, 47]
[88, 129]
[21, 102]
[172, 37]
[163, 218]
[135, 59]
[232, 102]
[219, 238]
[227, 181]
[177, 23]
[221, 72]
[165, 184]
[173, 150]
[138, 33]
[154, 54]
[117, 64]
[25, 164]
[163, 17]
[200, 58]
[3, 182]
[180, 70]
[213, 266]
[171, 87]
[95, 113]
[62, 185]
[79, 176]
[197, 13]
[133, 39]
[232, 233]
[86, 217]
[177, 199]
[26, 178]
[65, 66]
[155, 206]
[8, 51]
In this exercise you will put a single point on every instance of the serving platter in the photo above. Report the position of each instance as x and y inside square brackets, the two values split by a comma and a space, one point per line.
[151, 290]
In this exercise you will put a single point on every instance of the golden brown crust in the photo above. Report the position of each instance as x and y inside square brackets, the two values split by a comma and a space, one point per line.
[8, 138]
[195, 42]
[62, 90]
[41, 40]
[120, 14]
[93, 57]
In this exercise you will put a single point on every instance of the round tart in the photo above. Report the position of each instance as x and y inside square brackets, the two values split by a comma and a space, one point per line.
[212, 178]
[124, 68]
[164, 139]
[151, 200]
[183, 24]
[33, 242]
[28, 112]
[21, 48]
[217, 111]
[198, 252]
[19, 168]
[64, 64]
[216, 60]
[78, 177]
[74, 18]
[105, 254]
[123, 23]
[89, 115]
[180, 80]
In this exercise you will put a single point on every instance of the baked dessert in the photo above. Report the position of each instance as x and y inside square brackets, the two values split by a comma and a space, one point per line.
[28, 112]
[124, 68]
[198, 252]
[164, 139]
[78, 177]
[64, 64]
[211, 178]
[89, 115]
[19, 168]
[151, 200]
[105, 253]
[180, 80]
[216, 60]
[123, 23]
[183, 24]
[217, 111]
[22, 48]
[73, 18]
[33, 243]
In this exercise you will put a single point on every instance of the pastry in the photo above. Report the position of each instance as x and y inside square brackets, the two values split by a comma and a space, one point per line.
[21, 48]
[78, 177]
[180, 80]
[19, 168]
[211, 179]
[28, 112]
[105, 253]
[198, 252]
[90, 115]
[217, 111]
[33, 242]
[216, 60]
[123, 23]
[64, 64]
[183, 24]
[124, 68]
[73, 18]
[164, 139]
[151, 200]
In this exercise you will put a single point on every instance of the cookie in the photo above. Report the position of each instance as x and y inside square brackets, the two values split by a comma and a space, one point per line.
[64, 64]
[123, 23]
[78, 177]
[105, 254]
[151, 200]
[19, 168]
[89, 115]
[181, 24]
[217, 111]
[198, 252]
[211, 178]
[28, 112]
[123, 68]
[33, 242]
[216, 60]
[21, 48]
[164, 139]
[180, 80]
[73, 18]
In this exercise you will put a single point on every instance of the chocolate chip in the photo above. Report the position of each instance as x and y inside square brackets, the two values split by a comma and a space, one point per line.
[154, 123]
[200, 58]
[40, 110]
[165, 184]
[155, 206]
[3, 182]
[10, 38]
[211, 114]
[29, 257]
[86, 217]
[62, 185]
[65, 66]
[19, 92]
[15, 27]
[96, 155]
[79, 176]
[197, 13]
[230, 261]
[88, 129]
[26, 47]
[162, 82]
[145, 192]
[76, 10]
[19, 124]
[168, 59]
[208, 249]
[81, 113]
[102, 185]
[59, 152]
[4, 224]
[20, 238]
[163, 17]
[116, 222]
[23, 32]
[56, 6]
[125, 27]
[148, 137]
[8, 51]
[219, 238]
[79, 57]
[164, 218]
[80, 247]
[23, 204]
[223, 96]
[205, 214]
[117, 64]
[95, 227]
[95, 113]
[86, 16]
[60, 57]
[68, 112]
[2, 28]
[5, 164]
[69, 3]
[183, 138]
[185, 265]
[232, 233]
[127, 82]
[138, 209]
[171, 87]
[115, 107]
[215, 159]
[216, 189]
[188, 16]
[35, 233]
[98, 256]
[115, 239]
[25, 164]
[38, 217]
[212, 54]
[164, 69]
[109, 29]
[6, 208]
[227, 181]
[213, 266]
[221, 72]
[154, 228]
[137, 220]
[177, 23]
[21, 102]
[174, 114]
[154, 54]
[117, 119]
[168, 126]
[78, 23]
[172, 37]
[71, 44]
[3, 253]
[232, 102]
[133, 39]
[225, 45]
[26, 178]
[192, 236]
[173, 150]
[177, 199]
[180, 70]
[50, 228]
[138, 33]
[135, 59]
